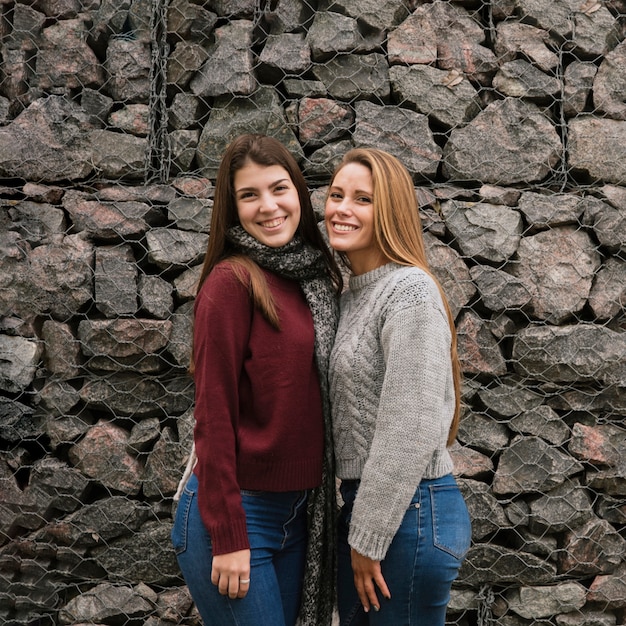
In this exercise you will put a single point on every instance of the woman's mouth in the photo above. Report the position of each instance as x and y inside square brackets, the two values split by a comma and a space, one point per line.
[344, 228]
[273, 223]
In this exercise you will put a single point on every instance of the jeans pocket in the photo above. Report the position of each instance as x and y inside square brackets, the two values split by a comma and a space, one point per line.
[181, 521]
[451, 523]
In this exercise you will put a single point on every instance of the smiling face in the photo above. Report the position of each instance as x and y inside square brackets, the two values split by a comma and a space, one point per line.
[267, 203]
[349, 217]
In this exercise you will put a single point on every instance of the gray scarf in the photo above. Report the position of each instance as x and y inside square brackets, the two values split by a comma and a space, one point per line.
[299, 261]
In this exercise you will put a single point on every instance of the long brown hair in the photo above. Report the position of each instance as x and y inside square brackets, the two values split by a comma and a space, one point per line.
[265, 151]
[398, 234]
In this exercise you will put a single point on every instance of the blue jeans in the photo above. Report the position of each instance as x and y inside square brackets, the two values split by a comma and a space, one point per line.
[422, 562]
[277, 532]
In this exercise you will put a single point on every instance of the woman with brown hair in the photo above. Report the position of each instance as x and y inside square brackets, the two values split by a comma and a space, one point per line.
[254, 526]
[395, 396]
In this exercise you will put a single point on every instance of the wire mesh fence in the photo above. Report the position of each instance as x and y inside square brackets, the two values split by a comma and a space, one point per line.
[510, 116]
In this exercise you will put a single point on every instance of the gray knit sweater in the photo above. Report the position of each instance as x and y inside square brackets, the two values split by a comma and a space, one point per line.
[392, 397]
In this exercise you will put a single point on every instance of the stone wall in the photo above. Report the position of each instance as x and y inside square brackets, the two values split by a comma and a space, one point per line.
[511, 117]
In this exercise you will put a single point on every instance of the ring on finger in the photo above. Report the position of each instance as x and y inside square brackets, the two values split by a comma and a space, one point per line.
[244, 581]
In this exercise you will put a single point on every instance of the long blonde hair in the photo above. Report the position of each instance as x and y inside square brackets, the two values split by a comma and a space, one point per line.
[398, 234]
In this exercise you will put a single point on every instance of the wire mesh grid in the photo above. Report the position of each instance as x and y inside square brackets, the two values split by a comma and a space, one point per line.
[510, 116]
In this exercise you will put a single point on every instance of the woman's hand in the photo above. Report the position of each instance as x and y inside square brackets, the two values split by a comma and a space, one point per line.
[231, 573]
[368, 576]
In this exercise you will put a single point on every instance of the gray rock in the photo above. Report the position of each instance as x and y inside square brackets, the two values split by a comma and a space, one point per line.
[521, 79]
[186, 59]
[155, 296]
[121, 343]
[102, 455]
[543, 422]
[57, 397]
[137, 395]
[510, 399]
[116, 281]
[186, 284]
[184, 111]
[346, 76]
[98, 522]
[190, 21]
[479, 352]
[451, 272]
[542, 210]
[128, 67]
[48, 141]
[578, 81]
[143, 435]
[483, 231]
[560, 509]
[446, 97]
[65, 60]
[483, 433]
[597, 148]
[608, 222]
[332, 33]
[229, 65]
[17, 421]
[287, 54]
[459, 41]
[145, 557]
[162, 468]
[571, 353]
[111, 221]
[414, 41]
[557, 267]
[403, 133]
[489, 563]
[289, 16]
[608, 293]
[117, 155]
[590, 34]
[62, 350]
[261, 113]
[492, 148]
[591, 549]
[586, 618]
[376, 14]
[536, 602]
[36, 222]
[107, 601]
[515, 38]
[321, 120]
[173, 248]
[60, 277]
[27, 28]
[498, 289]
[609, 84]
[192, 214]
[182, 145]
[133, 119]
[486, 512]
[181, 338]
[531, 464]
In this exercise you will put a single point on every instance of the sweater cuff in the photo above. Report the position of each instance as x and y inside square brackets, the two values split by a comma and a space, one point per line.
[231, 538]
[370, 544]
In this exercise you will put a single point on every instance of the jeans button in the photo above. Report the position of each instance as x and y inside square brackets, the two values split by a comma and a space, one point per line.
[417, 505]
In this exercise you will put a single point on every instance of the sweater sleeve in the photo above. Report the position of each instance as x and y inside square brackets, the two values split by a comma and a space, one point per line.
[221, 330]
[412, 418]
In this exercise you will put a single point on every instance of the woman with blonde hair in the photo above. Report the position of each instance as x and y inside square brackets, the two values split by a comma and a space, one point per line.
[254, 526]
[395, 395]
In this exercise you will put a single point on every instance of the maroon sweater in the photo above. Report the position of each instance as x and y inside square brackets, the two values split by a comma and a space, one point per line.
[258, 410]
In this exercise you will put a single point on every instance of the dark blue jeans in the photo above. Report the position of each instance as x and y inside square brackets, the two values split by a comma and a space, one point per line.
[278, 539]
[421, 563]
